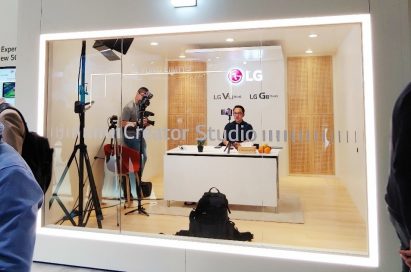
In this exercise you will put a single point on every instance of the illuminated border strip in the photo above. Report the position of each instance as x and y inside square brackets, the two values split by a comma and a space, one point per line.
[364, 19]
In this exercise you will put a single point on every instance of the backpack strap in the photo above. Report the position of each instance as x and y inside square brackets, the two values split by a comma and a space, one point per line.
[212, 189]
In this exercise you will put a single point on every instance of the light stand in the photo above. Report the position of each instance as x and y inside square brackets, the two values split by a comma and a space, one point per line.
[92, 202]
[140, 126]
[114, 148]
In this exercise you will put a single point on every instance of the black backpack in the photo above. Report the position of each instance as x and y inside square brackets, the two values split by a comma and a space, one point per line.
[210, 219]
[36, 152]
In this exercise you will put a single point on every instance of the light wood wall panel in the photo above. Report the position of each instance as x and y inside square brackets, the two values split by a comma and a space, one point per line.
[310, 115]
[187, 99]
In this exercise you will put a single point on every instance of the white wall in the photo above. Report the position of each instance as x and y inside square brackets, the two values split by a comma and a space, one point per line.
[392, 67]
[264, 114]
[264, 100]
[8, 33]
[348, 106]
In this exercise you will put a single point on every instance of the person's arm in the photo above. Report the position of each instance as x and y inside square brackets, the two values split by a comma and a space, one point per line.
[125, 118]
[14, 130]
[406, 256]
[21, 197]
[250, 135]
[225, 135]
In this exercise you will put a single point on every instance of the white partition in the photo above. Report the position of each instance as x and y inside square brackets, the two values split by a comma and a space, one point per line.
[245, 179]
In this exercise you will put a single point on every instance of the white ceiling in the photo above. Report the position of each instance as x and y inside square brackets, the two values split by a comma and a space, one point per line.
[294, 41]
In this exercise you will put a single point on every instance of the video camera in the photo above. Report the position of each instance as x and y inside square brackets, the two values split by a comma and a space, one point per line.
[228, 112]
[145, 102]
[113, 122]
[148, 114]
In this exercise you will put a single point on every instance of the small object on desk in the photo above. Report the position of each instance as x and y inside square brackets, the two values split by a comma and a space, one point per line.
[200, 145]
[246, 149]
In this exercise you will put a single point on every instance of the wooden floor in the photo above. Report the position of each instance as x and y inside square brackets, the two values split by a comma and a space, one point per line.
[332, 222]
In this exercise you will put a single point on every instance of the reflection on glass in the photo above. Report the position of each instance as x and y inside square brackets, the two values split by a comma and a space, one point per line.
[298, 181]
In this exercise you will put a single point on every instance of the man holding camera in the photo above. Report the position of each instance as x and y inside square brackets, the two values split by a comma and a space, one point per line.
[133, 125]
[239, 130]
[134, 121]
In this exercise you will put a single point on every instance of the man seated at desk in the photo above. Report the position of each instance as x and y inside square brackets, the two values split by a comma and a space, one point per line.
[239, 130]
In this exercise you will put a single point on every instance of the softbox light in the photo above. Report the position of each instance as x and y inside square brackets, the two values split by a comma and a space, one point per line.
[106, 47]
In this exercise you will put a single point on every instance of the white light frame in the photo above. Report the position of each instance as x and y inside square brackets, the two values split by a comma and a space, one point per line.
[183, 3]
[372, 260]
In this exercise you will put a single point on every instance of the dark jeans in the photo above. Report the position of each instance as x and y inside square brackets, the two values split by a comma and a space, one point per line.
[404, 239]
[135, 144]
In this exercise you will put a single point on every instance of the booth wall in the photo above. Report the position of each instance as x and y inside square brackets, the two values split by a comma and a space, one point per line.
[392, 71]
[349, 137]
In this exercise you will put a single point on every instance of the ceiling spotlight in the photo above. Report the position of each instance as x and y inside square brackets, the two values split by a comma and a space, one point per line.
[229, 40]
[309, 51]
[184, 3]
[182, 56]
[154, 43]
[313, 35]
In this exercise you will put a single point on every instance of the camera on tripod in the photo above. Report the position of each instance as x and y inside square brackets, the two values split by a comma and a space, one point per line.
[228, 112]
[113, 122]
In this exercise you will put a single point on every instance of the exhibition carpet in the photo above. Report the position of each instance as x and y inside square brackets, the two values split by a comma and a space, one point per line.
[289, 210]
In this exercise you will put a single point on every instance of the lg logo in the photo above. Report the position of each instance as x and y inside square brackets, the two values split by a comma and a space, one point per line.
[236, 76]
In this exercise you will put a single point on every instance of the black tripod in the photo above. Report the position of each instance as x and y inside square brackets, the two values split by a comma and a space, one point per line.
[93, 202]
[140, 125]
[230, 143]
[228, 147]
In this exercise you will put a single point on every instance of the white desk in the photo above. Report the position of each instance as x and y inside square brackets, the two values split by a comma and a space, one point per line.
[246, 179]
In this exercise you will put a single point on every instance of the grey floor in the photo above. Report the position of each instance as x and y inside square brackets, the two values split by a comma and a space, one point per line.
[46, 267]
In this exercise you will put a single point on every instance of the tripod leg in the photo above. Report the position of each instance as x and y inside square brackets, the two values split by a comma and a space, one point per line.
[56, 197]
[140, 208]
[66, 212]
[72, 156]
[94, 196]
[128, 192]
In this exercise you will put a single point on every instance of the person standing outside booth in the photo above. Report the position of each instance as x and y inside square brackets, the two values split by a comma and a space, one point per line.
[398, 196]
[20, 199]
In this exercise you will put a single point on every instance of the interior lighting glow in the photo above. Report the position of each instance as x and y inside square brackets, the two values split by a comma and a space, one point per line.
[309, 51]
[184, 3]
[154, 43]
[313, 35]
[229, 40]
